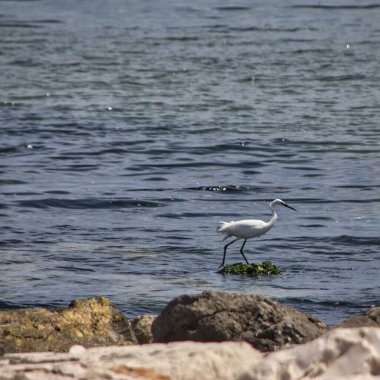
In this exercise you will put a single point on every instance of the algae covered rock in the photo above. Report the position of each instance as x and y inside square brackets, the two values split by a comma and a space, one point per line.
[89, 322]
[220, 316]
[264, 268]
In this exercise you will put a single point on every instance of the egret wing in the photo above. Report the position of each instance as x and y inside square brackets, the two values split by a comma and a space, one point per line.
[243, 229]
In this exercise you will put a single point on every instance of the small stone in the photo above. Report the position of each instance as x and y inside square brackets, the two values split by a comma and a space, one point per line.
[77, 350]
[142, 327]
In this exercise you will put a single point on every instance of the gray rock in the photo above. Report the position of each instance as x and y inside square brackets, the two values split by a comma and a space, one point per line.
[218, 316]
[370, 318]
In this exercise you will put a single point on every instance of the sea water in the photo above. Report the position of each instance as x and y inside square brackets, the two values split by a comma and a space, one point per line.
[129, 129]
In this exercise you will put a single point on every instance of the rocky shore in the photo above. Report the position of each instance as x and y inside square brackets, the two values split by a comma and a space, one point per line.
[211, 335]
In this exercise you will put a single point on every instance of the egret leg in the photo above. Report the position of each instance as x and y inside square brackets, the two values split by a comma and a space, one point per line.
[241, 251]
[225, 251]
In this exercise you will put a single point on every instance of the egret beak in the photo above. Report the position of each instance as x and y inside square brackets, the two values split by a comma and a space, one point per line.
[286, 205]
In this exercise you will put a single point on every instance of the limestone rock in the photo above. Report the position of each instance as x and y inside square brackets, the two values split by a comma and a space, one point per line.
[371, 317]
[221, 316]
[341, 354]
[184, 360]
[89, 322]
[142, 327]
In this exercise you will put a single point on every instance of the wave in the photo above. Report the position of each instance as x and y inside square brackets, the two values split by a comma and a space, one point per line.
[337, 7]
[87, 203]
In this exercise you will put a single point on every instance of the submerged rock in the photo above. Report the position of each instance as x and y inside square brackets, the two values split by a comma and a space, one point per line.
[349, 354]
[89, 322]
[265, 268]
[219, 316]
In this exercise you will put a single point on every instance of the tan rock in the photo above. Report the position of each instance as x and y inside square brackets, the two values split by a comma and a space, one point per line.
[340, 354]
[142, 327]
[183, 360]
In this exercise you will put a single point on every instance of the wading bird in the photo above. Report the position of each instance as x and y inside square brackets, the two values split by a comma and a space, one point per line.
[248, 229]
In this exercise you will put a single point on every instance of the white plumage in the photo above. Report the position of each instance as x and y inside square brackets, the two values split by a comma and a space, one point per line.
[248, 229]
[244, 229]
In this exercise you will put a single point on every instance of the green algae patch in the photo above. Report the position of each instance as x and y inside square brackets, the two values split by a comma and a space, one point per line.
[264, 268]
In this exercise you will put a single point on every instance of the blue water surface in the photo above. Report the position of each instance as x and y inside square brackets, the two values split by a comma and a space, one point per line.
[129, 129]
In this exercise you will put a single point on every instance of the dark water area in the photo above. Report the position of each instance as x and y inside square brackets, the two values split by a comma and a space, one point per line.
[129, 129]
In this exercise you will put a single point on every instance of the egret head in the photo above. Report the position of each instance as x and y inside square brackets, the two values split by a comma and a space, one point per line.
[281, 203]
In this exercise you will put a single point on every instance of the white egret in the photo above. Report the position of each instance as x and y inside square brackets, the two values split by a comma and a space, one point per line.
[248, 229]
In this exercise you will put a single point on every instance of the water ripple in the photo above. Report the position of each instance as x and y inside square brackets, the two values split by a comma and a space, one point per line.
[129, 131]
[89, 203]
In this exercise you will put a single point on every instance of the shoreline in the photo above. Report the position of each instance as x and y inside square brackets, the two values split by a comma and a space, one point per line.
[96, 321]
[209, 335]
